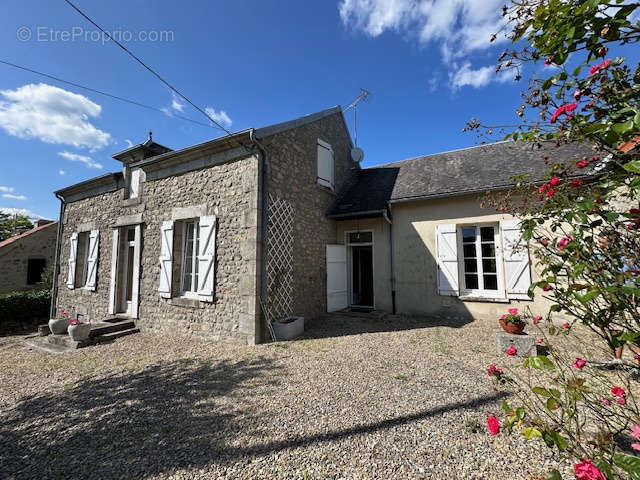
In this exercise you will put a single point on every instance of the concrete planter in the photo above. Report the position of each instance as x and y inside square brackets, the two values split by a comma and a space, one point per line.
[80, 332]
[58, 326]
[289, 328]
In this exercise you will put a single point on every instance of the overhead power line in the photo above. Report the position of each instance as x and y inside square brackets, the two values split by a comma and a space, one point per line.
[157, 75]
[110, 95]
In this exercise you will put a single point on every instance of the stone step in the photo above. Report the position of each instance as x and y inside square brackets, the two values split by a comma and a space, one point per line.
[110, 327]
[107, 337]
[64, 340]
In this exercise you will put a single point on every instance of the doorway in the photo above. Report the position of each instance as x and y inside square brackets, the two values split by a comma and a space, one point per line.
[126, 273]
[360, 252]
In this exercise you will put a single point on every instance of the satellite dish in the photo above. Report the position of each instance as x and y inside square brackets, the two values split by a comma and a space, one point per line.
[357, 154]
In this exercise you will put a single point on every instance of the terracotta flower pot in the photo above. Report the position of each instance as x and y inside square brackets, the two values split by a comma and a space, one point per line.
[513, 328]
[58, 326]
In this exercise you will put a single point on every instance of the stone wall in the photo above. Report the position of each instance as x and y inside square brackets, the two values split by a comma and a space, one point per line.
[14, 257]
[229, 191]
[292, 176]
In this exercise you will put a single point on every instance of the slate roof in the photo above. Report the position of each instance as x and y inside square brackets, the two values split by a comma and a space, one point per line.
[470, 170]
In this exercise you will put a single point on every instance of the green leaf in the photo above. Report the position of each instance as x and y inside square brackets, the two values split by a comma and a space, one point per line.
[628, 463]
[541, 391]
[554, 475]
[590, 295]
[531, 432]
[546, 85]
[552, 404]
[605, 468]
[541, 362]
[621, 128]
[555, 392]
[632, 166]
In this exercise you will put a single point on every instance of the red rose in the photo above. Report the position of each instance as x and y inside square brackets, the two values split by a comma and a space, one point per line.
[550, 193]
[493, 370]
[570, 108]
[513, 311]
[579, 363]
[493, 425]
[634, 211]
[582, 164]
[543, 188]
[565, 325]
[547, 287]
[536, 319]
[618, 391]
[511, 351]
[585, 470]
[621, 401]
[595, 158]
[554, 181]
[544, 241]
[575, 183]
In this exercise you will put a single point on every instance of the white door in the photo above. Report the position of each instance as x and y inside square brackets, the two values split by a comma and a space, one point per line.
[129, 270]
[337, 298]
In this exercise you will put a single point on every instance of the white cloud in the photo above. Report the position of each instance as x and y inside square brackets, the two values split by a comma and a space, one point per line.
[11, 196]
[87, 161]
[20, 211]
[457, 27]
[467, 76]
[52, 115]
[129, 143]
[221, 117]
[62, 173]
[6, 189]
[176, 104]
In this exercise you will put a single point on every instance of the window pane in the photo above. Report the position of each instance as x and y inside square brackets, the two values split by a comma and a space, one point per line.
[489, 266]
[471, 266]
[486, 234]
[469, 234]
[471, 281]
[488, 250]
[360, 237]
[490, 282]
[131, 234]
[469, 250]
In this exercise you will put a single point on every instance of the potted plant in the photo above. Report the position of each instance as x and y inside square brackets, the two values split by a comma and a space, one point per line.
[58, 326]
[79, 331]
[289, 327]
[512, 322]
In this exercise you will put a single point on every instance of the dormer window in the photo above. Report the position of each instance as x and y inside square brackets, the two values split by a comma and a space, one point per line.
[134, 183]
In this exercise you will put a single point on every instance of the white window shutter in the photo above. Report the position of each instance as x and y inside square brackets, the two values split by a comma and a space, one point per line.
[92, 260]
[134, 183]
[73, 252]
[517, 268]
[325, 164]
[166, 258]
[206, 258]
[114, 271]
[447, 259]
[135, 284]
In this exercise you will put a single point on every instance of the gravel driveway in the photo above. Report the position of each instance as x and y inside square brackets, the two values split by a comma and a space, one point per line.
[360, 397]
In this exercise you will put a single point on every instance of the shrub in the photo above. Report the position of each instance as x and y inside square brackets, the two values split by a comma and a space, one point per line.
[23, 310]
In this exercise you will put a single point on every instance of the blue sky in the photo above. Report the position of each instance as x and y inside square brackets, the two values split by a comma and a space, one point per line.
[252, 63]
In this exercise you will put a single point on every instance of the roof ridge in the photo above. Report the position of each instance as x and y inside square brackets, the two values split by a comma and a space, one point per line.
[10, 240]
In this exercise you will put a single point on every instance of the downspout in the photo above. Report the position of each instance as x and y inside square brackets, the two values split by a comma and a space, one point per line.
[392, 278]
[263, 221]
[56, 263]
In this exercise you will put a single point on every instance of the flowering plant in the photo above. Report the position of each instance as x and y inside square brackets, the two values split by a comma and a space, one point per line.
[512, 316]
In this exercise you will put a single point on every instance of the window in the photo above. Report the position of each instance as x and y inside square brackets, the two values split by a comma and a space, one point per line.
[325, 164]
[360, 237]
[35, 268]
[82, 264]
[479, 266]
[134, 183]
[190, 249]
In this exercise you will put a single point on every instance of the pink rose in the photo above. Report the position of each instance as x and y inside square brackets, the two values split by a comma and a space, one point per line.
[493, 370]
[606, 402]
[544, 241]
[503, 316]
[618, 391]
[513, 311]
[579, 363]
[493, 425]
[636, 356]
[635, 431]
[595, 158]
[539, 340]
[565, 325]
[546, 288]
[621, 401]
[585, 470]
[635, 446]
[536, 319]
[563, 242]
[511, 351]
[577, 94]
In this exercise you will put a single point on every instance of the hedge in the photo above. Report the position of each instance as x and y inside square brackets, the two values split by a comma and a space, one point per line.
[21, 310]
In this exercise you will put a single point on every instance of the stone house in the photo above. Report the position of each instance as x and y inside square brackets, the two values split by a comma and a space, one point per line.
[25, 256]
[280, 218]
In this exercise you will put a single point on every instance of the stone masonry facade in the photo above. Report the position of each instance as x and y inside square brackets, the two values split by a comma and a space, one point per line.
[229, 191]
[15, 255]
[292, 176]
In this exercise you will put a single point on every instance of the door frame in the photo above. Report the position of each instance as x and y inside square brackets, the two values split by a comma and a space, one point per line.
[119, 288]
[349, 246]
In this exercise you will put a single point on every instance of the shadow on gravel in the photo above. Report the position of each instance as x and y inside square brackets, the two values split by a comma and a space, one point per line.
[340, 324]
[175, 416]
[165, 417]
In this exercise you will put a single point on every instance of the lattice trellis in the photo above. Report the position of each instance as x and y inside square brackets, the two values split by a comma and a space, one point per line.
[279, 258]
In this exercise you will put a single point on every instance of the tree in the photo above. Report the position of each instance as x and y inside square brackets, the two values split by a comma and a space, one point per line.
[11, 223]
[583, 224]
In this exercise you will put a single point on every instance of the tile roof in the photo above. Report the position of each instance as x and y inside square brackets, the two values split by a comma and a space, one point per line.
[15, 238]
[475, 169]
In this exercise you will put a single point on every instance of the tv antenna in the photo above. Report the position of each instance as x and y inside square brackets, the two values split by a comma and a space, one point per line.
[364, 95]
